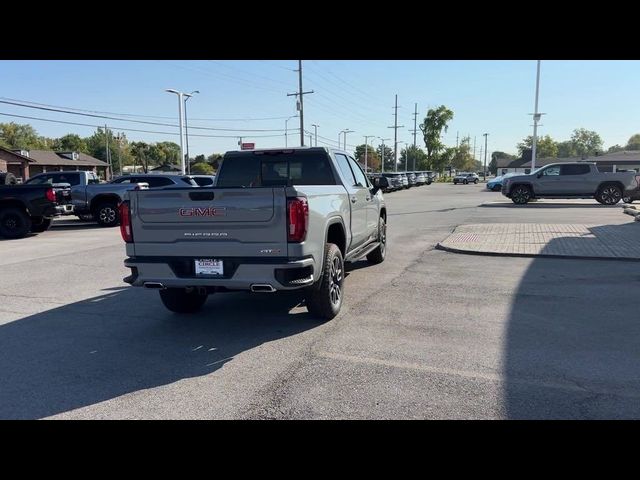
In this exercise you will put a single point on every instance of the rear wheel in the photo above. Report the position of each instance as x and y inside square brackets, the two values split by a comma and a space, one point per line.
[521, 194]
[377, 256]
[475, 181]
[42, 225]
[107, 214]
[325, 299]
[14, 223]
[627, 199]
[179, 300]
[609, 195]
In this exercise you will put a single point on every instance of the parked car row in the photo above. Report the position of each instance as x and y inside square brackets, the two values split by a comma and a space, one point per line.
[30, 207]
[403, 180]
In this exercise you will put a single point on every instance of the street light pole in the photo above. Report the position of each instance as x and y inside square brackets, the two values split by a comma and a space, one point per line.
[180, 104]
[345, 137]
[186, 130]
[286, 131]
[536, 117]
[485, 156]
[315, 127]
[382, 163]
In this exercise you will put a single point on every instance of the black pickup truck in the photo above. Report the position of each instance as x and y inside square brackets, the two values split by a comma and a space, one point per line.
[31, 208]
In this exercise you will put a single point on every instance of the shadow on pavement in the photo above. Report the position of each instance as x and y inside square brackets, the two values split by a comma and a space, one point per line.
[548, 205]
[121, 342]
[573, 336]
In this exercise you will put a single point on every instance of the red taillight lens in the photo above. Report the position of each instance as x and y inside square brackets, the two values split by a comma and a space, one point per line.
[125, 222]
[298, 214]
[50, 195]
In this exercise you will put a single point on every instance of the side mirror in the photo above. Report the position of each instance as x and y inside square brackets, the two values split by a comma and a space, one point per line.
[380, 183]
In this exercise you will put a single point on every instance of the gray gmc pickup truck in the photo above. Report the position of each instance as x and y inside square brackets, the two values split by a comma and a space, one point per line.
[571, 180]
[281, 219]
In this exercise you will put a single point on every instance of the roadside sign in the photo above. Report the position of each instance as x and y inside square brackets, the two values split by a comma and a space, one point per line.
[247, 146]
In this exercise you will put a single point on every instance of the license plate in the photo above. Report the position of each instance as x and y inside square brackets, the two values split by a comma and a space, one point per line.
[209, 266]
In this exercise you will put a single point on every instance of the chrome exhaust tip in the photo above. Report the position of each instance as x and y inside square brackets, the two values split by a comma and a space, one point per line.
[154, 285]
[262, 288]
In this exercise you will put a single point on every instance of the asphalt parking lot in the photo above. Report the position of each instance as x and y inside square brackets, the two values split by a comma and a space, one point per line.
[427, 334]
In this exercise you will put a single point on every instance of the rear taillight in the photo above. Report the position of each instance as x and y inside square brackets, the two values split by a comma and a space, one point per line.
[638, 180]
[50, 195]
[298, 215]
[125, 222]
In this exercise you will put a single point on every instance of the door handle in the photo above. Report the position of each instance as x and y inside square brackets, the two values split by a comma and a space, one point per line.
[368, 198]
[354, 199]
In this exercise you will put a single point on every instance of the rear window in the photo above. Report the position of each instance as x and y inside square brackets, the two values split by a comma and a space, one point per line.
[281, 168]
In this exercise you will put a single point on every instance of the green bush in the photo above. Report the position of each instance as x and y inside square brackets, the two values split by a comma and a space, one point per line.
[202, 168]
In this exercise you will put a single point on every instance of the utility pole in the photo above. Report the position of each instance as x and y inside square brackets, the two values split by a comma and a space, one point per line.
[474, 147]
[395, 136]
[366, 148]
[300, 105]
[457, 140]
[485, 156]
[110, 167]
[536, 117]
[310, 142]
[315, 127]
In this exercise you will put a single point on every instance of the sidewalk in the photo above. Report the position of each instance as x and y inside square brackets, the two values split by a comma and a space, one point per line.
[548, 240]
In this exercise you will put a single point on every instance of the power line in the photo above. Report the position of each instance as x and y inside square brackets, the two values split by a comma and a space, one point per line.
[245, 119]
[123, 129]
[137, 121]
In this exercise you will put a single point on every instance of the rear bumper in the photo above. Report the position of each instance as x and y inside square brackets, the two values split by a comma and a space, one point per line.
[64, 209]
[239, 273]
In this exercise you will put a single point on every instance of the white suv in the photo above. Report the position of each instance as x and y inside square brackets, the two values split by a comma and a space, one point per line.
[464, 177]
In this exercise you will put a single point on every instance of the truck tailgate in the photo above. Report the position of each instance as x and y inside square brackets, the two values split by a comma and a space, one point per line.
[209, 222]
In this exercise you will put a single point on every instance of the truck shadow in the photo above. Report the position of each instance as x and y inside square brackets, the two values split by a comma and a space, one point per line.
[125, 341]
[540, 204]
[572, 337]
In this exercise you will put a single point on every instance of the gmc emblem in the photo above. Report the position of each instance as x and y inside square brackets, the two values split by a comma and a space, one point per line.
[203, 212]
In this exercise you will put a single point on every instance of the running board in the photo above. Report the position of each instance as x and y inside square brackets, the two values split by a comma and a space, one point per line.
[362, 252]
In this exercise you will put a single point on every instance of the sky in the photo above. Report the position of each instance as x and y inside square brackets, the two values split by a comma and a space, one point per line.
[248, 99]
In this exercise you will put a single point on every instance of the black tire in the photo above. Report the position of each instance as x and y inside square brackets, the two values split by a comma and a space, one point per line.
[521, 194]
[106, 214]
[455, 183]
[627, 199]
[42, 225]
[475, 181]
[86, 217]
[465, 181]
[14, 223]
[377, 256]
[325, 298]
[609, 194]
[178, 300]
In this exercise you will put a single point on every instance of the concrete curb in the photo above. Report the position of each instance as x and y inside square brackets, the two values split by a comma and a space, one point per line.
[439, 246]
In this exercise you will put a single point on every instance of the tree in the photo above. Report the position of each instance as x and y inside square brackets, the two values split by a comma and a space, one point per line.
[23, 137]
[462, 157]
[412, 153]
[373, 161]
[201, 168]
[495, 156]
[634, 142]
[200, 159]
[618, 148]
[214, 160]
[141, 152]
[566, 149]
[165, 152]
[71, 143]
[586, 142]
[432, 127]
[546, 147]
[388, 157]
